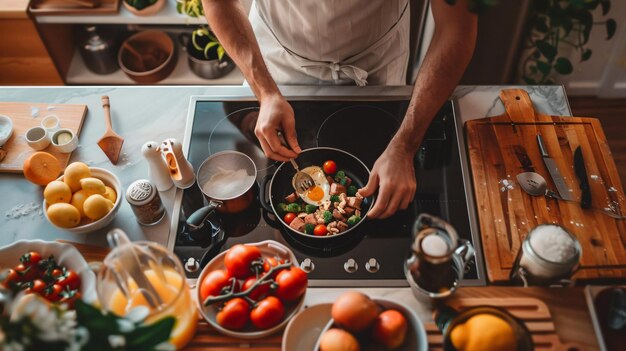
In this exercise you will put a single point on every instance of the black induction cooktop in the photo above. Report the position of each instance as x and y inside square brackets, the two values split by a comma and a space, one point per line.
[362, 128]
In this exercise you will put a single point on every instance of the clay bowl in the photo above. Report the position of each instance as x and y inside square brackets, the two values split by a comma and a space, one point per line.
[147, 57]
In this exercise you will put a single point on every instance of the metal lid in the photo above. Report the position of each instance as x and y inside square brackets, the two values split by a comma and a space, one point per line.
[140, 192]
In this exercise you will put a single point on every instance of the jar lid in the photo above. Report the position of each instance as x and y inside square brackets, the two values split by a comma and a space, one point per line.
[140, 192]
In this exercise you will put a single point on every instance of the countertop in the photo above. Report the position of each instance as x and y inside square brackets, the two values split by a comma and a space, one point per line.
[141, 114]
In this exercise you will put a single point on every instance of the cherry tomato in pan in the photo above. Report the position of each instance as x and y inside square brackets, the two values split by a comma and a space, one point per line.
[292, 283]
[239, 258]
[214, 283]
[289, 217]
[320, 230]
[267, 313]
[330, 167]
[234, 315]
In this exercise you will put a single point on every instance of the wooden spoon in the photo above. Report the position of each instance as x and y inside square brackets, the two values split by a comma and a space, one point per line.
[138, 56]
[110, 143]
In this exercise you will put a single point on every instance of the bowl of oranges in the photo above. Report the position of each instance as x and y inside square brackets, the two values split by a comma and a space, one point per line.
[83, 199]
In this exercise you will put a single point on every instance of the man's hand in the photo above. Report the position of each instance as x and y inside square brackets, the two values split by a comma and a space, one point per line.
[277, 115]
[394, 174]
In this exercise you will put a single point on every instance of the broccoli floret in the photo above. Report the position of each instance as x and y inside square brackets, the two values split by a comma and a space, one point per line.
[351, 190]
[334, 198]
[354, 219]
[281, 209]
[308, 228]
[328, 217]
[310, 208]
[343, 181]
[340, 175]
[294, 207]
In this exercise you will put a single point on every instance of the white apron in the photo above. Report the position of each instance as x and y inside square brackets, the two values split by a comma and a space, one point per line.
[317, 42]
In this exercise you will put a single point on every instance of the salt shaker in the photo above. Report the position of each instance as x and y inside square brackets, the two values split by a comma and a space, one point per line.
[180, 169]
[159, 174]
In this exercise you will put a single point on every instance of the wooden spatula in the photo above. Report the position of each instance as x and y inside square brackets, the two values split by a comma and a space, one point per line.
[110, 143]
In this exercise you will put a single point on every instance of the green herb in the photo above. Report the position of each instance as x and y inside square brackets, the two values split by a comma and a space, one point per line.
[310, 208]
[308, 228]
[294, 207]
[340, 175]
[203, 41]
[191, 8]
[281, 209]
[334, 198]
[354, 219]
[328, 217]
[352, 190]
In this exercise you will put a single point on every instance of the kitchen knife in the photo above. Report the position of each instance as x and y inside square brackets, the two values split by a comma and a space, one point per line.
[557, 178]
[581, 174]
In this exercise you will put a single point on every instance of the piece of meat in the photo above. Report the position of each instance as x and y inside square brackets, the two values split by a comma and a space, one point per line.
[354, 202]
[310, 218]
[336, 189]
[330, 179]
[349, 211]
[342, 226]
[338, 215]
[297, 224]
[291, 198]
[348, 181]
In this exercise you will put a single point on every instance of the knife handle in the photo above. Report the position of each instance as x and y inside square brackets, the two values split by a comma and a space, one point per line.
[542, 146]
[585, 196]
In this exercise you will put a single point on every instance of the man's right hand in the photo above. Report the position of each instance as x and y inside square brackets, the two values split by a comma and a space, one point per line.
[276, 115]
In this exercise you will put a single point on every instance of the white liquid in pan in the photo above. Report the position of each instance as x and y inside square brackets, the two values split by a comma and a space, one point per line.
[226, 184]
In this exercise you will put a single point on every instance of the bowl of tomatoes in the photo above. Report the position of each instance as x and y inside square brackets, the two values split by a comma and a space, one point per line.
[55, 271]
[251, 290]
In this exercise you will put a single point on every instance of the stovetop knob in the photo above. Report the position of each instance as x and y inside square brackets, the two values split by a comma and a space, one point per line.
[372, 265]
[307, 265]
[192, 265]
[351, 266]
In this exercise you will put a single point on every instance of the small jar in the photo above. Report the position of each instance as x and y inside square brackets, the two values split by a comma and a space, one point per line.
[145, 201]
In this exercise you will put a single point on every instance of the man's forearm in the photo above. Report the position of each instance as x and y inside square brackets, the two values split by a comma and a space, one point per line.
[229, 21]
[447, 58]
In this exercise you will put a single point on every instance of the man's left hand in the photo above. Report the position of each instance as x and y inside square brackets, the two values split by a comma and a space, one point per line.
[394, 174]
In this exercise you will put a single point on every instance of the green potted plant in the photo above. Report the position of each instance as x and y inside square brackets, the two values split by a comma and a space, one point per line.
[206, 56]
[191, 8]
[144, 7]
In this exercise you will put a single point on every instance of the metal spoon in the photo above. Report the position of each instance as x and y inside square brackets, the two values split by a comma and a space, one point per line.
[301, 181]
[534, 184]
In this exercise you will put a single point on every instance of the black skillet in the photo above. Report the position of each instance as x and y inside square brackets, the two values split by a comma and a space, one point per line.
[280, 186]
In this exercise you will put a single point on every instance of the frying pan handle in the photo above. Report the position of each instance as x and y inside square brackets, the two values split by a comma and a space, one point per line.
[197, 219]
[263, 191]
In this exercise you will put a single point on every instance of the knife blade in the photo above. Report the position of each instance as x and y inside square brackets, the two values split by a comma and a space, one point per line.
[555, 174]
[581, 174]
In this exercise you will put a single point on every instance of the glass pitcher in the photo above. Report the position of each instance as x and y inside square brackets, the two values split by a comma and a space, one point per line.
[146, 274]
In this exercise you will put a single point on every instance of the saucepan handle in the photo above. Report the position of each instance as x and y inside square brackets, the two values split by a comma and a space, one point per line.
[264, 193]
[197, 219]
[465, 251]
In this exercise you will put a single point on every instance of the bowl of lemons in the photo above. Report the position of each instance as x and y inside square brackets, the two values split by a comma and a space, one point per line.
[84, 199]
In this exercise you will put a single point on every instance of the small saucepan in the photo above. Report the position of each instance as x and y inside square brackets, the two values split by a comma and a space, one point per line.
[227, 181]
[280, 186]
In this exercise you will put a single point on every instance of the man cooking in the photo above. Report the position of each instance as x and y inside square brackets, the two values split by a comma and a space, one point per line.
[311, 42]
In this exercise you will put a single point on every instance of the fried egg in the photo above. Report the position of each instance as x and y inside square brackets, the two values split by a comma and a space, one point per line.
[319, 192]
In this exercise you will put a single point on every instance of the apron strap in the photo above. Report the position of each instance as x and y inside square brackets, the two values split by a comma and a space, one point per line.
[357, 74]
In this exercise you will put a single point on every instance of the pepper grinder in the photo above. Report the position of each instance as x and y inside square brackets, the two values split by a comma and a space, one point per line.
[159, 173]
[180, 170]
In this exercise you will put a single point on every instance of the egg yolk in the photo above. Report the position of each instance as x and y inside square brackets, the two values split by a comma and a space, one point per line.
[316, 193]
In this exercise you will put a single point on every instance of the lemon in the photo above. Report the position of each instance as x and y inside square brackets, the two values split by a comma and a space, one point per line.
[57, 191]
[110, 194]
[97, 206]
[63, 215]
[74, 172]
[93, 186]
[483, 332]
[78, 199]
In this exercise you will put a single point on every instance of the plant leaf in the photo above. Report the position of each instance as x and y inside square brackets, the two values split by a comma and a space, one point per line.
[611, 26]
[220, 52]
[606, 6]
[567, 25]
[208, 47]
[563, 66]
[146, 337]
[585, 55]
[544, 67]
[548, 50]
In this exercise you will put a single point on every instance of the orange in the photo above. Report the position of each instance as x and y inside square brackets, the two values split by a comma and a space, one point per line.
[41, 168]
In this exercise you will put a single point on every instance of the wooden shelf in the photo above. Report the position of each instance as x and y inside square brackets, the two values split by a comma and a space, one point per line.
[79, 74]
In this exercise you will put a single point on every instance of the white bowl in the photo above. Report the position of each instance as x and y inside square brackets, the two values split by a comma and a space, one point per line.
[304, 330]
[109, 179]
[65, 254]
[268, 248]
[6, 129]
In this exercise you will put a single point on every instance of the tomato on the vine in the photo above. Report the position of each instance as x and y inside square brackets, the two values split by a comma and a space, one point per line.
[70, 297]
[53, 292]
[30, 258]
[330, 167]
[69, 278]
[214, 283]
[238, 260]
[267, 313]
[292, 283]
[234, 315]
[36, 286]
[260, 291]
[10, 278]
[289, 217]
[26, 273]
[320, 230]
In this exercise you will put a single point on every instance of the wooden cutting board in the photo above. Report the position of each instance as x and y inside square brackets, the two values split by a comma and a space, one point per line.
[71, 116]
[501, 147]
[47, 7]
[533, 312]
